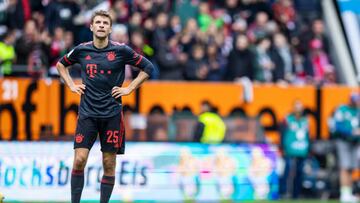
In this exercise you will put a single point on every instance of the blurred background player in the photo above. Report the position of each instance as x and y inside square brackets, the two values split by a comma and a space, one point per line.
[346, 129]
[103, 69]
[295, 143]
[210, 127]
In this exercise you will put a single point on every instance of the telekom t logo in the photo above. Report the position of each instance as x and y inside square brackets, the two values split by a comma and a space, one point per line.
[91, 69]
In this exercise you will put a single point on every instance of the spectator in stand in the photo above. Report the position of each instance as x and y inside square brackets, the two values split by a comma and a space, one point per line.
[39, 19]
[241, 60]
[317, 32]
[57, 45]
[135, 22]
[216, 63]
[264, 66]
[169, 59]
[302, 70]
[31, 51]
[212, 35]
[197, 68]
[282, 57]
[7, 53]
[119, 33]
[259, 28]
[285, 15]
[38, 61]
[162, 31]
[25, 44]
[120, 11]
[175, 26]
[239, 27]
[189, 35]
[231, 31]
[318, 62]
[149, 30]
[205, 19]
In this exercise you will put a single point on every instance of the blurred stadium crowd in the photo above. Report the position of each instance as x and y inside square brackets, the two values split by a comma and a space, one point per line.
[263, 40]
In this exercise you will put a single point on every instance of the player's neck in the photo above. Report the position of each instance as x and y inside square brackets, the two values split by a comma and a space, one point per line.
[101, 43]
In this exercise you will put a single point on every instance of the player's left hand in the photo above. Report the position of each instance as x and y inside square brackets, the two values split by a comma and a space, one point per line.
[117, 92]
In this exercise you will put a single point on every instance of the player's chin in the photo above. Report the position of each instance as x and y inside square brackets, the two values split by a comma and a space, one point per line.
[101, 36]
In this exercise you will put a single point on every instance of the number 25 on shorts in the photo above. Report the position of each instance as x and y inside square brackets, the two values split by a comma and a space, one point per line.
[112, 136]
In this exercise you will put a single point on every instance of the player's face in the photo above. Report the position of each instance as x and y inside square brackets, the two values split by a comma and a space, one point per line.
[101, 27]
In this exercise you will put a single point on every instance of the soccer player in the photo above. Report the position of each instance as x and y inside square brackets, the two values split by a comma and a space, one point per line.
[102, 70]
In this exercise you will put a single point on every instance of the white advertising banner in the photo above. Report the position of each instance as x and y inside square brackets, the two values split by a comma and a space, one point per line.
[41, 171]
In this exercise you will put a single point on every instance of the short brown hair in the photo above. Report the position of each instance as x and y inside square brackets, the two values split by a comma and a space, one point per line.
[101, 13]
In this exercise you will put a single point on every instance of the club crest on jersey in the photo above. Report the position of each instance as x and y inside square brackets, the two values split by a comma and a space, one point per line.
[111, 56]
[79, 138]
[88, 57]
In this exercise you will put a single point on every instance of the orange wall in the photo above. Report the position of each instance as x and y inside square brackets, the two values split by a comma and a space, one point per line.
[185, 94]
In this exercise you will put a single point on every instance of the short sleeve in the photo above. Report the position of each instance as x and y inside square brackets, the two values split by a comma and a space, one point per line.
[137, 60]
[70, 58]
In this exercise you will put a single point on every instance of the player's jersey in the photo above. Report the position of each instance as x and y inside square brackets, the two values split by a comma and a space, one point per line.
[101, 70]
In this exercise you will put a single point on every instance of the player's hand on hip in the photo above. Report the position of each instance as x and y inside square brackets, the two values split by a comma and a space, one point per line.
[117, 92]
[78, 89]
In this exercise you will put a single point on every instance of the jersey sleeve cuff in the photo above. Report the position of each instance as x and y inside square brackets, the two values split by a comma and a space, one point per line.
[65, 61]
[149, 69]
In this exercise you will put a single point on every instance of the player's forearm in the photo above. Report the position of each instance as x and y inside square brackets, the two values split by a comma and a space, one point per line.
[65, 75]
[142, 77]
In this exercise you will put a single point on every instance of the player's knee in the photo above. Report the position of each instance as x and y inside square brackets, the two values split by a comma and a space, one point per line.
[109, 167]
[80, 162]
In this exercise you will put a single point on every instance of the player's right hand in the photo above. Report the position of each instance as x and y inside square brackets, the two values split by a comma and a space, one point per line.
[78, 89]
